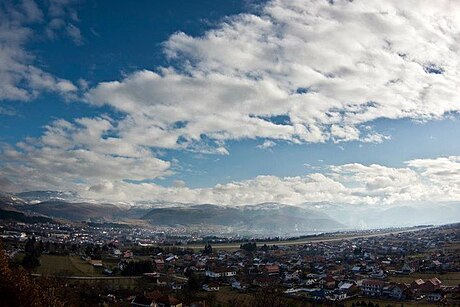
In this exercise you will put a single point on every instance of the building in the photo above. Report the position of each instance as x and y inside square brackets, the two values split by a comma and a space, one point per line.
[372, 287]
[220, 272]
[272, 269]
[159, 264]
[211, 287]
[436, 296]
[397, 291]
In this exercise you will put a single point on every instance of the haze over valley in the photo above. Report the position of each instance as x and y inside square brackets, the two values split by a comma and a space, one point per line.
[264, 219]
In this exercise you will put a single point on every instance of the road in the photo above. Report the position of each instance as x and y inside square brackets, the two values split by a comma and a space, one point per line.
[89, 277]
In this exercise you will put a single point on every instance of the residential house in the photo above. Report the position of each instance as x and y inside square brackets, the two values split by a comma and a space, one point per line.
[159, 264]
[416, 285]
[436, 296]
[211, 287]
[271, 270]
[396, 291]
[220, 272]
[238, 285]
[372, 287]
[96, 263]
[128, 254]
[430, 285]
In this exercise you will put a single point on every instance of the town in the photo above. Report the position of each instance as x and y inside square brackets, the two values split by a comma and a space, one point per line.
[127, 266]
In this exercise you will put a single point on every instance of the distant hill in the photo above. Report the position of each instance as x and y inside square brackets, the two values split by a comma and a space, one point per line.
[10, 200]
[80, 211]
[41, 196]
[265, 218]
[21, 217]
[262, 218]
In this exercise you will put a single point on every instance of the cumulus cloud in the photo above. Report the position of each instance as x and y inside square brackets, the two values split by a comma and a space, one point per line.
[442, 172]
[326, 67]
[106, 173]
[20, 77]
[349, 183]
[294, 190]
[80, 153]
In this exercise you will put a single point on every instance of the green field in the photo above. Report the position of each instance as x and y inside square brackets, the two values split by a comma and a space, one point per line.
[66, 266]
[226, 294]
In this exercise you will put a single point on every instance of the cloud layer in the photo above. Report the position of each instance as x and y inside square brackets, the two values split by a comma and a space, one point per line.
[61, 158]
[300, 71]
[422, 180]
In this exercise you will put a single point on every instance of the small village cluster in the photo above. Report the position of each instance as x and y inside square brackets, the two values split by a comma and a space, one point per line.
[409, 266]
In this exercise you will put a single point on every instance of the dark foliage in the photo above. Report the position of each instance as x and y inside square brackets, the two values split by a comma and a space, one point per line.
[136, 268]
[249, 247]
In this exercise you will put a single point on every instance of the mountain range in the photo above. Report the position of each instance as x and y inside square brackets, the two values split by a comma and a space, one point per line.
[264, 218]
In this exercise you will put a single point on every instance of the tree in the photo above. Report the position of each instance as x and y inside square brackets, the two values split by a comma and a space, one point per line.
[249, 247]
[194, 282]
[207, 249]
[136, 268]
[40, 247]
[17, 288]
[32, 251]
[30, 261]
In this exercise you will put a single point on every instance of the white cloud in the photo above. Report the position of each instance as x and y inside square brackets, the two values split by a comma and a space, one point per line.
[75, 34]
[422, 181]
[443, 173]
[328, 68]
[267, 144]
[375, 138]
[299, 71]
[88, 156]
[20, 77]
[293, 190]
[81, 153]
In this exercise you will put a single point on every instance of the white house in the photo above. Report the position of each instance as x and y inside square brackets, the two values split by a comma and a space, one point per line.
[211, 287]
[220, 272]
[372, 287]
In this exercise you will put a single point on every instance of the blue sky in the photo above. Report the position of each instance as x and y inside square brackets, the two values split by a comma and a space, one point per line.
[118, 39]
[181, 100]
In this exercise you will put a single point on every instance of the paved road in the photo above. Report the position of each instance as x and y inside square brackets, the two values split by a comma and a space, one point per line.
[105, 277]
[90, 277]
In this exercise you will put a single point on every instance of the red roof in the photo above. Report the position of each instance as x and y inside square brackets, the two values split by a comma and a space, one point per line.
[272, 268]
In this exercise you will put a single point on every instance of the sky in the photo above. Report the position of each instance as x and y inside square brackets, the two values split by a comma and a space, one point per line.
[232, 102]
